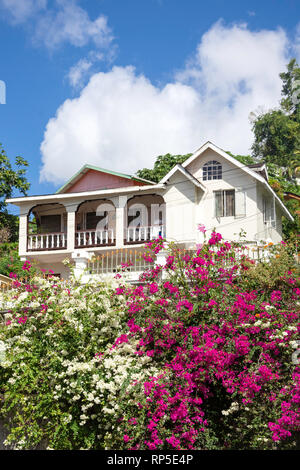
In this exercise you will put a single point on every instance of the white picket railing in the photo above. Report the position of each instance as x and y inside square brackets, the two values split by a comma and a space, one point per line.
[94, 238]
[128, 260]
[47, 241]
[142, 234]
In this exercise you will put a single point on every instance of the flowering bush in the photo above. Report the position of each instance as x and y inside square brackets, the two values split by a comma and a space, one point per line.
[61, 373]
[228, 378]
[199, 356]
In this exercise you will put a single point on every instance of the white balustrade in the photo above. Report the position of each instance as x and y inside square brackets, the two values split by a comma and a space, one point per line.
[47, 241]
[142, 234]
[94, 238]
[126, 260]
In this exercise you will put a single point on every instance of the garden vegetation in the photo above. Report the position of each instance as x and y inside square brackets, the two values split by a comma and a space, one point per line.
[203, 354]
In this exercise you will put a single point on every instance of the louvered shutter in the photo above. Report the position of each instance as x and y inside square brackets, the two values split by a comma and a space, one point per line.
[240, 203]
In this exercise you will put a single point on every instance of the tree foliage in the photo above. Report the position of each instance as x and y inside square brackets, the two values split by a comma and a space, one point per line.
[162, 166]
[277, 132]
[277, 142]
[10, 180]
[245, 159]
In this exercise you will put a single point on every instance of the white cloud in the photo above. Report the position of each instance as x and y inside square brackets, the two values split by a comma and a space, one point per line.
[122, 121]
[71, 24]
[78, 72]
[64, 22]
[20, 11]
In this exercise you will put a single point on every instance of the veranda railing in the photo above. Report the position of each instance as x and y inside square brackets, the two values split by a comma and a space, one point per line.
[128, 260]
[47, 241]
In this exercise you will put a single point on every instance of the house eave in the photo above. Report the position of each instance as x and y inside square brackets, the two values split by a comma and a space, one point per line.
[186, 173]
[105, 192]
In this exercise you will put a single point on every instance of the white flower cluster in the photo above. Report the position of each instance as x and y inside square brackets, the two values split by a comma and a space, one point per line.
[233, 407]
[77, 322]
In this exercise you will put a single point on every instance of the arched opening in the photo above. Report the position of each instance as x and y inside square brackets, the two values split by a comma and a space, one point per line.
[47, 227]
[95, 224]
[145, 218]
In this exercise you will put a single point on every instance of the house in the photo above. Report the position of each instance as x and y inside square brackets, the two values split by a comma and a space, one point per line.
[109, 215]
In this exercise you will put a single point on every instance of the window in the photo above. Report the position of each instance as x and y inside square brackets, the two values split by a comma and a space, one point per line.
[269, 214]
[50, 223]
[224, 203]
[212, 171]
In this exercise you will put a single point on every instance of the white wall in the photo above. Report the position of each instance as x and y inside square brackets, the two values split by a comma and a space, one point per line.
[232, 178]
[180, 197]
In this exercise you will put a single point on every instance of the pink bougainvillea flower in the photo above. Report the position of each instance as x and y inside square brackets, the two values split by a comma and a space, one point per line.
[26, 266]
[201, 228]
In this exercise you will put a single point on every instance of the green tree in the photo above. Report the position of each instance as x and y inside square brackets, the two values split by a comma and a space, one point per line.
[245, 159]
[10, 180]
[277, 132]
[277, 141]
[162, 166]
[291, 90]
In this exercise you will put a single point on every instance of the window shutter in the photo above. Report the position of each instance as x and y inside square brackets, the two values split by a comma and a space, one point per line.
[240, 203]
[264, 210]
[273, 212]
[218, 203]
[229, 203]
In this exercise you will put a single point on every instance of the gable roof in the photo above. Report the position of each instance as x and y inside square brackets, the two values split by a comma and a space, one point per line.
[245, 168]
[88, 167]
[186, 173]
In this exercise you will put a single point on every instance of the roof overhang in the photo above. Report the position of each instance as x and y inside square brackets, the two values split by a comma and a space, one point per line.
[52, 198]
[186, 173]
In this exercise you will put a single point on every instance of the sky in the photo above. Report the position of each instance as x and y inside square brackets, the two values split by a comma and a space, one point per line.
[115, 83]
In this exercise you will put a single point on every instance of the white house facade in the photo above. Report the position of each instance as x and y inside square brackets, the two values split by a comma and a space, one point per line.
[108, 215]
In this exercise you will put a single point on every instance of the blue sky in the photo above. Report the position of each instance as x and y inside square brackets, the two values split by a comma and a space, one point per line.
[115, 83]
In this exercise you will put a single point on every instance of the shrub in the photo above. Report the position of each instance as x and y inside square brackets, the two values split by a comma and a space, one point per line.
[225, 341]
[60, 378]
[202, 355]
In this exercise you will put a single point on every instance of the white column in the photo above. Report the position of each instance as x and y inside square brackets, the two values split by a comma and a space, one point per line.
[161, 259]
[23, 230]
[81, 259]
[120, 204]
[71, 211]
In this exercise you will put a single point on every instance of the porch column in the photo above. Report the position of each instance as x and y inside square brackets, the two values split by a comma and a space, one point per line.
[23, 230]
[81, 259]
[161, 259]
[71, 212]
[120, 203]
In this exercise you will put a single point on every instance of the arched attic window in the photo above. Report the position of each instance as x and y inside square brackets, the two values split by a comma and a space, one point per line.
[212, 171]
